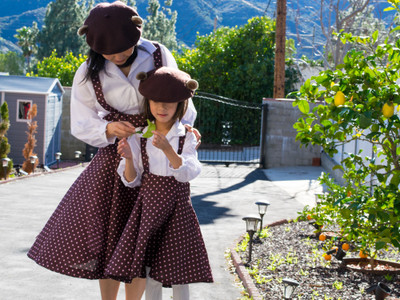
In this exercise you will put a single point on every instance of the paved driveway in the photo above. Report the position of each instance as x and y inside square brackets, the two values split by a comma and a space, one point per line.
[221, 196]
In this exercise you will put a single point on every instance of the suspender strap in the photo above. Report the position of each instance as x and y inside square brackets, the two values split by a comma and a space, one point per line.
[181, 142]
[145, 158]
[114, 115]
[157, 56]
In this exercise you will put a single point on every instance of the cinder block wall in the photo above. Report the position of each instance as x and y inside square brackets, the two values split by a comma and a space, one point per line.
[280, 148]
[69, 144]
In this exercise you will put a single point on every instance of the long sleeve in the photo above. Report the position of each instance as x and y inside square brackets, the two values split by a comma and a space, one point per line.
[137, 162]
[86, 124]
[191, 166]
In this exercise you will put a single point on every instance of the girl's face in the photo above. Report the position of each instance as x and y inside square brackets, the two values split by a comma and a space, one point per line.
[163, 112]
[119, 58]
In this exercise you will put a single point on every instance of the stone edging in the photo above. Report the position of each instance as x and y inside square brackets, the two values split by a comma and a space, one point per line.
[42, 173]
[241, 269]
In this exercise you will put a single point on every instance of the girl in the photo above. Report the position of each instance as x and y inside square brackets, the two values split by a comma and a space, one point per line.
[163, 231]
[80, 237]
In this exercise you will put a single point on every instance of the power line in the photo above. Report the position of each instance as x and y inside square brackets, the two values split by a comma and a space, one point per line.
[225, 100]
[265, 12]
[211, 10]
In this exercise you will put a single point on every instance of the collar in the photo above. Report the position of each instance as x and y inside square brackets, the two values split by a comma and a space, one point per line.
[178, 129]
[147, 48]
[146, 45]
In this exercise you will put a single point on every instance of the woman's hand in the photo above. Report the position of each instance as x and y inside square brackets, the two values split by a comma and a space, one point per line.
[196, 133]
[121, 129]
[124, 149]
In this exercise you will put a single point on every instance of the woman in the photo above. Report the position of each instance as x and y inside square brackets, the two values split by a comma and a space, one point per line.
[80, 237]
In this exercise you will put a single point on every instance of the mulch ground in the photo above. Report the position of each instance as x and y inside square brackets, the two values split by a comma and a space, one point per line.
[293, 251]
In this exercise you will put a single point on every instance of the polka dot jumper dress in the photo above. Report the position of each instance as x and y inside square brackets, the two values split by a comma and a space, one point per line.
[162, 232]
[80, 237]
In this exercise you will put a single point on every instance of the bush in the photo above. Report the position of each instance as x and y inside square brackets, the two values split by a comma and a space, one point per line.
[237, 63]
[63, 68]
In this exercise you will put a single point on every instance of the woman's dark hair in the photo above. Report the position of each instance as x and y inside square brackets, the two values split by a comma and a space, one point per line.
[96, 63]
[180, 110]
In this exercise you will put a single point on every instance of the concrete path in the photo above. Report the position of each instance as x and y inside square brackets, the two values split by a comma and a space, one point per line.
[221, 196]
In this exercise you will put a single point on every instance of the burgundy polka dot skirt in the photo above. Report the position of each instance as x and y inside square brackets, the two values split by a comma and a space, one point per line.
[162, 232]
[80, 237]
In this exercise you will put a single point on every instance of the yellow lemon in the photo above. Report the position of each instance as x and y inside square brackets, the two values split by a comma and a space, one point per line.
[388, 110]
[339, 98]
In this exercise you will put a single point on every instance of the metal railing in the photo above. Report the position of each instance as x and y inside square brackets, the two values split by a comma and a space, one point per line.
[225, 139]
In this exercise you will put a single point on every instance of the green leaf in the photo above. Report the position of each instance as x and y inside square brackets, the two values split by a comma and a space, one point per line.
[395, 29]
[389, 8]
[151, 127]
[395, 179]
[380, 245]
[365, 120]
[373, 134]
[304, 106]
[375, 35]
[338, 167]
[383, 216]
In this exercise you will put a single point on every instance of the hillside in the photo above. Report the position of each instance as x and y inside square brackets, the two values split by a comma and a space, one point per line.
[195, 17]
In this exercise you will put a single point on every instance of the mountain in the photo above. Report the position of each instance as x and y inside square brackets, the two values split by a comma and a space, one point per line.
[6, 46]
[9, 24]
[197, 17]
[193, 15]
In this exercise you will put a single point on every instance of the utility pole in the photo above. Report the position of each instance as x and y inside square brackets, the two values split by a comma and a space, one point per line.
[215, 23]
[280, 38]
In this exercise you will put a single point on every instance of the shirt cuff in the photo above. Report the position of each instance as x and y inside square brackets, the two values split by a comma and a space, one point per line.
[134, 183]
[180, 173]
[110, 140]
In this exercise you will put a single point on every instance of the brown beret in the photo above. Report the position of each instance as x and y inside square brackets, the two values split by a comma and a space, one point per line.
[112, 28]
[166, 85]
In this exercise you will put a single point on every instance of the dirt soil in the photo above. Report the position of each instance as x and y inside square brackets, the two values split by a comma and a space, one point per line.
[293, 251]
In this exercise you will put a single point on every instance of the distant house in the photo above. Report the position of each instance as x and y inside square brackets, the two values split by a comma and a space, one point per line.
[20, 93]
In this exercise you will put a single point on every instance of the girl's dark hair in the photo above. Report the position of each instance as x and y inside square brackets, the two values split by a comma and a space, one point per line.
[96, 63]
[180, 110]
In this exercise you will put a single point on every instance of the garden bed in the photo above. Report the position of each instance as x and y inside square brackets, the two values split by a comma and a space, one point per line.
[293, 251]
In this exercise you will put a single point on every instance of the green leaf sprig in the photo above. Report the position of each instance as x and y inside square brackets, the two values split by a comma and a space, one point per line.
[151, 127]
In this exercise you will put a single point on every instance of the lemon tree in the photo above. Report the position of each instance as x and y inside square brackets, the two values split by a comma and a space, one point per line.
[358, 101]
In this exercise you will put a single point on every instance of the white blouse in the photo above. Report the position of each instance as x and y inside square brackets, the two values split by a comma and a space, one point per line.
[158, 161]
[120, 92]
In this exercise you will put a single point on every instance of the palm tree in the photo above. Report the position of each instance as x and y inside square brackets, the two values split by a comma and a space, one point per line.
[27, 37]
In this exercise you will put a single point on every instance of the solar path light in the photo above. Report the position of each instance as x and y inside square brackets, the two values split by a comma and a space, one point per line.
[289, 285]
[4, 162]
[262, 210]
[251, 228]
[33, 159]
[58, 157]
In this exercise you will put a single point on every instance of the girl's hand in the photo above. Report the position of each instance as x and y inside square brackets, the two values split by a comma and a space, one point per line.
[160, 141]
[124, 149]
[121, 129]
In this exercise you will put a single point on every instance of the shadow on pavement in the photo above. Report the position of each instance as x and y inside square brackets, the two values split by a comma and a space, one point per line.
[208, 211]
